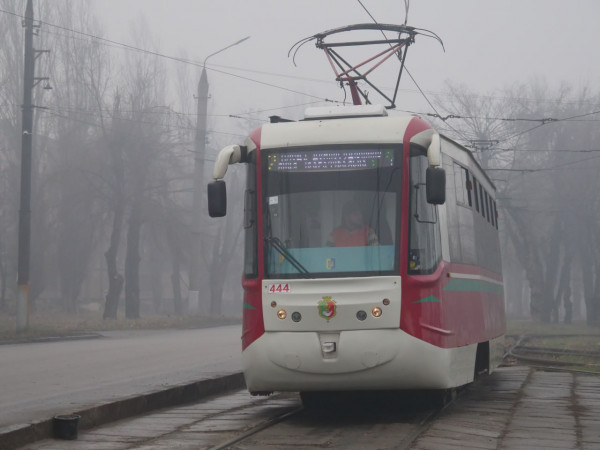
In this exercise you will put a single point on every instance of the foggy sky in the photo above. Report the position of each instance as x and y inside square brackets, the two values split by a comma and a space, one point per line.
[489, 45]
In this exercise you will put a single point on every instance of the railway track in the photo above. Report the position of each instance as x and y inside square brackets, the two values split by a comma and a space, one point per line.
[247, 434]
[397, 420]
[553, 358]
[344, 420]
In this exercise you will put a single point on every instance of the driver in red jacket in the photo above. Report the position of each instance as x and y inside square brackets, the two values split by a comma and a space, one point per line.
[353, 232]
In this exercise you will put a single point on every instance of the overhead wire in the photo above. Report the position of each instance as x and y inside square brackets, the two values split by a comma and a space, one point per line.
[543, 120]
[546, 169]
[522, 150]
[169, 57]
[57, 113]
[168, 110]
[96, 125]
[116, 44]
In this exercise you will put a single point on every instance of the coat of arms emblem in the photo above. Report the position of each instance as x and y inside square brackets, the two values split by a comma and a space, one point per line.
[327, 308]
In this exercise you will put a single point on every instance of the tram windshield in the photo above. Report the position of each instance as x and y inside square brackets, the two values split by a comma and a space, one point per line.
[331, 211]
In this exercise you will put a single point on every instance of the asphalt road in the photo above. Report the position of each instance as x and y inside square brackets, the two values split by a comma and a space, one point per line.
[40, 380]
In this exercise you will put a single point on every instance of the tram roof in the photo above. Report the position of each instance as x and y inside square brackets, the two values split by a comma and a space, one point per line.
[469, 154]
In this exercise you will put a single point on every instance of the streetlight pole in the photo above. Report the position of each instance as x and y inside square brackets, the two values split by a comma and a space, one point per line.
[195, 306]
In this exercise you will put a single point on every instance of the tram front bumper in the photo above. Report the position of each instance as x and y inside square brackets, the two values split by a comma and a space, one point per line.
[353, 360]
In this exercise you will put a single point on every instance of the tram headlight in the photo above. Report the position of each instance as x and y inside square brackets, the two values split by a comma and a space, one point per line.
[361, 315]
[282, 314]
[386, 301]
[376, 311]
[296, 316]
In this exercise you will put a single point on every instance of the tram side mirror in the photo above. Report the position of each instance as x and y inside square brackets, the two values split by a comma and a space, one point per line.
[217, 199]
[435, 180]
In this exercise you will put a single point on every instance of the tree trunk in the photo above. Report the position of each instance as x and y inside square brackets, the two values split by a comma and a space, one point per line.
[3, 278]
[156, 288]
[115, 279]
[591, 282]
[175, 251]
[593, 302]
[176, 283]
[217, 282]
[564, 290]
[132, 265]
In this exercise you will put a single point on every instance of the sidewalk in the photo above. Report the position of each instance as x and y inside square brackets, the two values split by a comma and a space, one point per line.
[20, 435]
[108, 378]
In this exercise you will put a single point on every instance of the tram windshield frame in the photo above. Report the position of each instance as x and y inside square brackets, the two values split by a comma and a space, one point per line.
[331, 211]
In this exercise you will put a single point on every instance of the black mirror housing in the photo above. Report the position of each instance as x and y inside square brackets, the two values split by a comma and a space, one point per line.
[435, 179]
[217, 199]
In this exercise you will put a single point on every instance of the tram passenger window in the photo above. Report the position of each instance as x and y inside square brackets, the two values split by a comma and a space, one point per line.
[475, 194]
[458, 182]
[462, 185]
[492, 218]
[495, 215]
[425, 244]
[481, 200]
[469, 186]
[487, 205]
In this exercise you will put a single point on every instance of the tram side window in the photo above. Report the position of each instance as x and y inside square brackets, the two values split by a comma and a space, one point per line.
[469, 186]
[481, 200]
[487, 206]
[425, 244]
[475, 194]
[492, 218]
[461, 185]
[495, 214]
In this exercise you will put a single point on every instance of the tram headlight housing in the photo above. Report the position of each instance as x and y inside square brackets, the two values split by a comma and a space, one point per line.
[376, 311]
[282, 314]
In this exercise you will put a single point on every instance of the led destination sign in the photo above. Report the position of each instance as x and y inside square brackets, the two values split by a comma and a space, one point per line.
[316, 160]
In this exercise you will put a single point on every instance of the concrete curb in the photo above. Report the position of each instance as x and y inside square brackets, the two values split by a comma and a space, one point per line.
[18, 436]
[73, 337]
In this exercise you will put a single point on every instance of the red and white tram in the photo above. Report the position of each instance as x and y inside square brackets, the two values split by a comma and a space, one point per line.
[372, 258]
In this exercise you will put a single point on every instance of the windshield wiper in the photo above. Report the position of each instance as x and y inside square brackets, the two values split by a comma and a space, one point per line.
[278, 245]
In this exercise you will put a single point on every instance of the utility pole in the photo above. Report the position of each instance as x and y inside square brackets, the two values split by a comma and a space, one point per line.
[29, 82]
[195, 306]
[26, 147]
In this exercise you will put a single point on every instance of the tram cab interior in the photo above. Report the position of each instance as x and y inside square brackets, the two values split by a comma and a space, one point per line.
[306, 216]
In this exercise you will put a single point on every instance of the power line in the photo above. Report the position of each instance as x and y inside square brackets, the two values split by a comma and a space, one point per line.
[173, 58]
[115, 44]
[542, 120]
[168, 110]
[523, 150]
[56, 113]
[546, 169]
[547, 121]
[128, 47]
